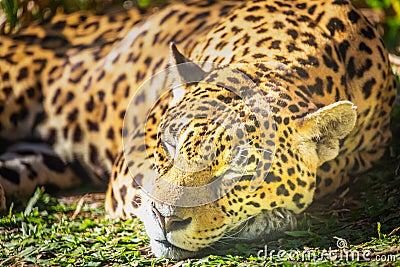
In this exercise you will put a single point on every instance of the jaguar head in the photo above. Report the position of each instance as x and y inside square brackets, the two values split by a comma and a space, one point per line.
[221, 165]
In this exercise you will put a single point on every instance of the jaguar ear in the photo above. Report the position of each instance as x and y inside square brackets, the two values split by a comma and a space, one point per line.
[187, 71]
[319, 132]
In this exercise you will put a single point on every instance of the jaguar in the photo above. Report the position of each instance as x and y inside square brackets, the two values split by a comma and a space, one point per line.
[212, 121]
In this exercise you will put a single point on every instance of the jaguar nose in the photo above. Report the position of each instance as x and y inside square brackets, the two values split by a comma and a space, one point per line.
[171, 223]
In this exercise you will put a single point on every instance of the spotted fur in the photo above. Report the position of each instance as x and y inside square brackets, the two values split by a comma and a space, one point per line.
[319, 67]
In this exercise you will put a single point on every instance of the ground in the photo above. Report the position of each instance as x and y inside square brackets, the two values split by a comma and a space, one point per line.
[71, 230]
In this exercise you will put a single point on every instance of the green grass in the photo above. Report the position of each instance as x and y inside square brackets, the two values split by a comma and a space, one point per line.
[22, 12]
[47, 233]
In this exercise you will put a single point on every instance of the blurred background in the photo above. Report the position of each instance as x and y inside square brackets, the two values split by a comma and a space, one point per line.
[16, 13]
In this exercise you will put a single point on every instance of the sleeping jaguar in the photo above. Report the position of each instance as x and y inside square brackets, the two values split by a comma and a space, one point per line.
[210, 121]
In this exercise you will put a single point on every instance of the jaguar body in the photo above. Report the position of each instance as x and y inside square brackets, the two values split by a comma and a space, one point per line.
[209, 120]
